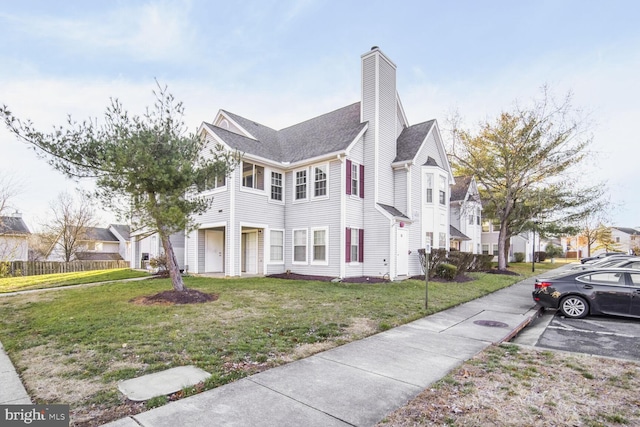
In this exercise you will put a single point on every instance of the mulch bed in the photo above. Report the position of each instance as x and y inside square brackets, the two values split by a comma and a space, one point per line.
[188, 296]
[296, 276]
[365, 279]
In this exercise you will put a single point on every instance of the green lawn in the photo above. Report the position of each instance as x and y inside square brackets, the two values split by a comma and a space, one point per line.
[81, 341]
[14, 284]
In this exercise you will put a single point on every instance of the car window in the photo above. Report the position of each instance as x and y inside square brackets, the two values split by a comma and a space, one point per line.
[635, 279]
[605, 278]
[635, 265]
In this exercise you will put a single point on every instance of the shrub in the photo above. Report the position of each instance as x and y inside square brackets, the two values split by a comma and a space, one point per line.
[447, 271]
[462, 260]
[553, 251]
[540, 256]
[160, 264]
[518, 256]
[482, 262]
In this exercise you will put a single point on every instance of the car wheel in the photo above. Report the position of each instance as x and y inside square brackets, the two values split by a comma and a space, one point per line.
[574, 306]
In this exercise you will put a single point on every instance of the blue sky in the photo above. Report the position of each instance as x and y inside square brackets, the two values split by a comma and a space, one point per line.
[281, 62]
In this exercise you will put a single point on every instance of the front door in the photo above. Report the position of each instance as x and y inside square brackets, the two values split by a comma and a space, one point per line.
[250, 252]
[402, 255]
[213, 251]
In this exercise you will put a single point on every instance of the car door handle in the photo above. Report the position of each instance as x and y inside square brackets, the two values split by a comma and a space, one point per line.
[587, 287]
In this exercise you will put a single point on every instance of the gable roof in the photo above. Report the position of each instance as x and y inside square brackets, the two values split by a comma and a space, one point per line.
[628, 230]
[411, 139]
[100, 235]
[122, 229]
[457, 234]
[329, 133]
[13, 225]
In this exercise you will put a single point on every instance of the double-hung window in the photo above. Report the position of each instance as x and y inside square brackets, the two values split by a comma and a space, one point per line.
[354, 245]
[300, 246]
[320, 181]
[276, 242]
[301, 184]
[443, 190]
[428, 183]
[355, 179]
[319, 245]
[276, 186]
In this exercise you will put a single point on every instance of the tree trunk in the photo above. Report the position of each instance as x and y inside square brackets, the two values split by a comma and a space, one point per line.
[172, 264]
[502, 259]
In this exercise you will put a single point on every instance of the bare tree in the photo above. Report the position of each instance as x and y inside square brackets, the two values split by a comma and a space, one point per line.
[9, 245]
[69, 224]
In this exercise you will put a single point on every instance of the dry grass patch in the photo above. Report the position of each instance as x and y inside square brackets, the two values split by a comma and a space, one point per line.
[513, 386]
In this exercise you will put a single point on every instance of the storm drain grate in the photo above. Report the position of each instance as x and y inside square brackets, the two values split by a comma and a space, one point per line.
[491, 323]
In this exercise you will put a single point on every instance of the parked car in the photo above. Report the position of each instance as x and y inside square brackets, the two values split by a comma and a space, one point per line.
[599, 256]
[613, 261]
[614, 291]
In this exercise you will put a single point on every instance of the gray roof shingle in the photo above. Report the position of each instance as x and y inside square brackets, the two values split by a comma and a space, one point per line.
[13, 225]
[325, 134]
[460, 188]
[100, 235]
[411, 139]
[457, 234]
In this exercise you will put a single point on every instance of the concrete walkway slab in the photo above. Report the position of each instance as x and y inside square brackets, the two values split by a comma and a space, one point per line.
[242, 403]
[12, 392]
[355, 396]
[472, 329]
[399, 362]
[162, 383]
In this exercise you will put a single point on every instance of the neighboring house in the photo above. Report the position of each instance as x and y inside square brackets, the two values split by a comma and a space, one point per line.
[14, 238]
[145, 248]
[99, 244]
[466, 215]
[523, 242]
[354, 192]
[625, 238]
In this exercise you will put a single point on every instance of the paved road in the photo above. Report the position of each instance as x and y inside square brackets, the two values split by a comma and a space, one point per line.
[598, 335]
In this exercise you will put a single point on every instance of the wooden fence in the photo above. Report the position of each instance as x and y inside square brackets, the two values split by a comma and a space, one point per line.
[34, 268]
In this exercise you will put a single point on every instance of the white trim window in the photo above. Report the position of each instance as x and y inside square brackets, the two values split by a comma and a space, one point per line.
[300, 246]
[277, 186]
[320, 252]
[252, 176]
[300, 187]
[443, 190]
[442, 240]
[320, 181]
[276, 246]
[428, 184]
[355, 178]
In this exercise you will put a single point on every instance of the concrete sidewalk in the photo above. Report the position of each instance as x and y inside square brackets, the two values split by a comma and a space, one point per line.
[356, 384]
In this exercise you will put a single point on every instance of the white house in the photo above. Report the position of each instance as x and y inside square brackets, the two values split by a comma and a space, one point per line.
[466, 215]
[98, 244]
[14, 238]
[626, 238]
[354, 192]
[523, 242]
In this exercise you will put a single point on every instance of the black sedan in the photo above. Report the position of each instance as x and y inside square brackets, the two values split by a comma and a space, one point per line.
[613, 291]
